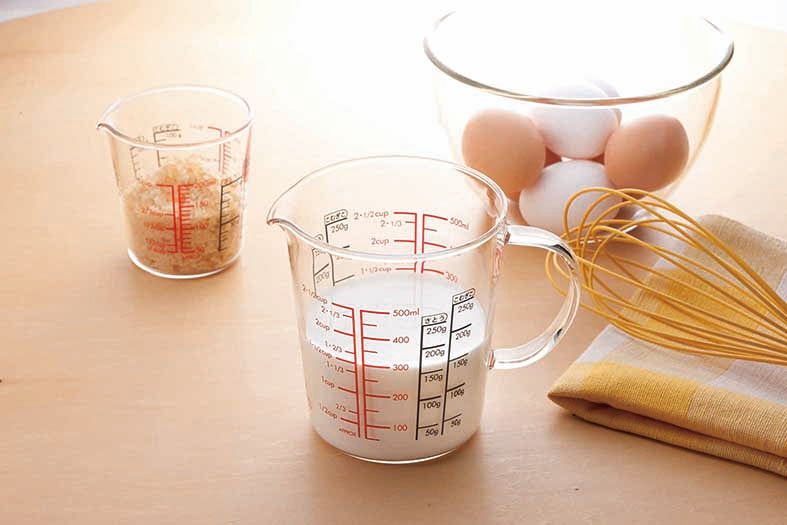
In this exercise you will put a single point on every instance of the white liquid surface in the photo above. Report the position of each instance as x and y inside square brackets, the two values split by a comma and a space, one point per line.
[371, 393]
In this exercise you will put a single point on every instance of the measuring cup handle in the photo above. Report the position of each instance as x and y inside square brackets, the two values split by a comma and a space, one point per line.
[530, 352]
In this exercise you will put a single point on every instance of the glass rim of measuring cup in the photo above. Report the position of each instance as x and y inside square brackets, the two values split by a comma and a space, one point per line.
[725, 44]
[501, 209]
[103, 120]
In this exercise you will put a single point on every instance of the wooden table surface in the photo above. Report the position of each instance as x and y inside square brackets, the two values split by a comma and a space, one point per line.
[126, 398]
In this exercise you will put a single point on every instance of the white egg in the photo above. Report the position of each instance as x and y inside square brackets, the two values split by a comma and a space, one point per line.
[609, 90]
[542, 204]
[576, 132]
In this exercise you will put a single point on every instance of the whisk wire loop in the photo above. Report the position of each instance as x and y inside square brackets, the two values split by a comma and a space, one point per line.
[698, 297]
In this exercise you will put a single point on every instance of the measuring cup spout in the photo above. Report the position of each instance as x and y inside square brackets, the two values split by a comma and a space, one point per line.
[282, 211]
[106, 127]
[104, 121]
[285, 225]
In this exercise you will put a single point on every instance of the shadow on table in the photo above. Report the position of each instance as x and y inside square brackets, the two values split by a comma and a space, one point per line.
[343, 488]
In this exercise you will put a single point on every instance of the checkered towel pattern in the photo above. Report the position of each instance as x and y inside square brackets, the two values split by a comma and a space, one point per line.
[730, 408]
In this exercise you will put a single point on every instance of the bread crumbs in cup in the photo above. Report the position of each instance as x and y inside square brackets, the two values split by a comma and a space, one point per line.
[183, 220]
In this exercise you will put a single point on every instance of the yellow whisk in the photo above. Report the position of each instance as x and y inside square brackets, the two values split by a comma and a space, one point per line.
[665, 279]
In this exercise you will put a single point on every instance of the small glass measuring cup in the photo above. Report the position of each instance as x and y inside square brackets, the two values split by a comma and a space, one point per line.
[181, 156]
[394, 263]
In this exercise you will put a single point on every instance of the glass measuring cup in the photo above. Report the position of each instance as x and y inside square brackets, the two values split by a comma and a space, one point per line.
[180, 156]
[394, 263]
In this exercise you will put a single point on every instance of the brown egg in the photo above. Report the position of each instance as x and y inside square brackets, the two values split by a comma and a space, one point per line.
[505, 146]
[551, 158]
[647, 153]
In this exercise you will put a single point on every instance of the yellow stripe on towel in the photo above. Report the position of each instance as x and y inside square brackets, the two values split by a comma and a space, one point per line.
[729, 408]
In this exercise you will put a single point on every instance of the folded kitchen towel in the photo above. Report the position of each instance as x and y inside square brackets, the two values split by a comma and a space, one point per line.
[730, 408]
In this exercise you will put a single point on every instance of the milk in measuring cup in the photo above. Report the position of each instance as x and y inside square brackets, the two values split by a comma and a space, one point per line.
[395, 365]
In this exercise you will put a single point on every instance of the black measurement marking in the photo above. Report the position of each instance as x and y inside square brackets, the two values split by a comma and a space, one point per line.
[340, 219]
[459, 357]
[431, 398]
[132, 151]
[330, 257]
[447, 368]
[315, 253]
[431, 371]
[225, 150]
[435, 319]
[456, 300]
[455, 387]
[328, 220]
[225, 204]
[174, 129]
[450, 418]
[467, 295]
[427, 321]
[420, 364]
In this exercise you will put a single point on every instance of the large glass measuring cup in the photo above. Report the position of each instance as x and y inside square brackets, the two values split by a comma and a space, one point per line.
[394, 263]
[180, 155]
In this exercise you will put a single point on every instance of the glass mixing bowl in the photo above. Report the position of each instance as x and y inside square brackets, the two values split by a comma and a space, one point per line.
[620, 101]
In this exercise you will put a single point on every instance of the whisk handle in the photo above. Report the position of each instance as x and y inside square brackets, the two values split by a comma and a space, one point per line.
[533, 350]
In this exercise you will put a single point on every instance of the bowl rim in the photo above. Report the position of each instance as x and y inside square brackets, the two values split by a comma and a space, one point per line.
[709, 75]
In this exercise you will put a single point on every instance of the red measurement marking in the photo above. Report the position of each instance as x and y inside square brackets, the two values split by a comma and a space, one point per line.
[434, 217]
[384, 427]
[347, 390]
[377, 366]
[185, 207]
[356, 392]
[370, 324]
[371, 351]
[134, 160]
[351, 411]
[425, 243]
[373, 439]
[372, 380]
[342, 306]
[174, 217]
[345, 361]
[412, 213]
[414, 222]
[365, 338]
[372, 410]
[424, 229]
[222, 156]
[378, 396]
[227, 156]
[423, 238]
[348, 420]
